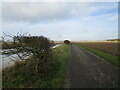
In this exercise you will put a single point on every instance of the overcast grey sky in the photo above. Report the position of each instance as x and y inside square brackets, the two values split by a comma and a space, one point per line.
[75, 21]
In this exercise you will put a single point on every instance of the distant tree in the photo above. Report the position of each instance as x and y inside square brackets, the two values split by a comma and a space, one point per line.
[67, 42]
[113, 40]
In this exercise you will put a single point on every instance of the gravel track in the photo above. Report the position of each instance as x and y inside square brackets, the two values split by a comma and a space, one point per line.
[86, 70]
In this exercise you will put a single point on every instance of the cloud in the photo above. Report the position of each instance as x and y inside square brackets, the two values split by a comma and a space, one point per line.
[35, 12]
[60, 0]
[47, 11]
[59, 21]
[79, 29]
[108, 17]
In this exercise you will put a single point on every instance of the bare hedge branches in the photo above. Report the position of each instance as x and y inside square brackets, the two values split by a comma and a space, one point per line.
[29, 45]
[39, 47]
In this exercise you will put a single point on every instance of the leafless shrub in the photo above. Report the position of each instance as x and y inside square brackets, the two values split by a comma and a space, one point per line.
[38, 47]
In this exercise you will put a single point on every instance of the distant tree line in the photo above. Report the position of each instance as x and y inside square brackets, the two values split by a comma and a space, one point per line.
[113, 40]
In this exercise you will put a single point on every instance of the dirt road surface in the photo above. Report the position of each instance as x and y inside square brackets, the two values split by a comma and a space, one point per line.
[86, 70]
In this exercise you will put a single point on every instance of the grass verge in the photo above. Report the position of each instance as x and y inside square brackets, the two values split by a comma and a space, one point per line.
[22, 76]
[110, 58]
[58, 80]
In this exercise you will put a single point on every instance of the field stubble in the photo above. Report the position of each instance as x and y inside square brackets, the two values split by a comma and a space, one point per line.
[106, 46]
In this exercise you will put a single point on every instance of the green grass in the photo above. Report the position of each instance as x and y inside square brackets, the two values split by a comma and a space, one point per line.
[58, 80]
[20, 76]
[110, 58]
[0, 79]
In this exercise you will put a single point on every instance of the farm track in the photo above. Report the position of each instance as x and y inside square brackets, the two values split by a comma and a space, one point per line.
[86, 70]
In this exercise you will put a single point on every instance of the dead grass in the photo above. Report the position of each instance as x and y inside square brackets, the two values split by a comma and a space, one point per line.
[59, 42]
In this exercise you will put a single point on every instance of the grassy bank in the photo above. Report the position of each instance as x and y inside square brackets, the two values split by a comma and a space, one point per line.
[0, 79]
[109, 57]
[21, 76]
[58, 80]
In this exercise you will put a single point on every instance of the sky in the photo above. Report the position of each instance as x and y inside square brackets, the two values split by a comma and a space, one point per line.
[75, 21]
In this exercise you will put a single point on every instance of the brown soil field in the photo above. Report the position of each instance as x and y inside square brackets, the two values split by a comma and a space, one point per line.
[4, 46]
[59, 42]
[106, 46]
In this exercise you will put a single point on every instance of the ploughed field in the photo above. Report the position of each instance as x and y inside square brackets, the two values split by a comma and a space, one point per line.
[106, 46]
[11, 45]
